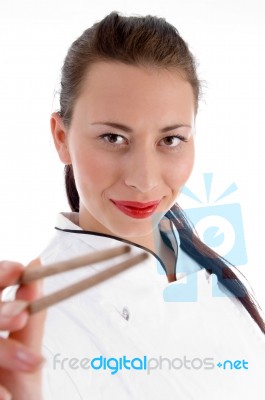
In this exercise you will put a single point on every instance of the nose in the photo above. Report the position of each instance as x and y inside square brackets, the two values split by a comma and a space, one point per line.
[142, 170]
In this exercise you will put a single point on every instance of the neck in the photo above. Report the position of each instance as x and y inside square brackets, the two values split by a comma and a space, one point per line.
[151, 242]
[156, 244]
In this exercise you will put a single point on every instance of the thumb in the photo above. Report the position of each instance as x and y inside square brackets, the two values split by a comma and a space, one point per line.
[31, 335]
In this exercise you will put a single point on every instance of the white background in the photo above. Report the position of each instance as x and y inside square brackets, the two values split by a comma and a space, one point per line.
[227, 38]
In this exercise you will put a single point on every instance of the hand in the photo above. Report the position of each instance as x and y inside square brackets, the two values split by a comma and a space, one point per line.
[20, 358]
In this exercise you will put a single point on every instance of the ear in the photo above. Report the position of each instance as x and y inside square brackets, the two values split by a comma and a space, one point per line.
[60, 139]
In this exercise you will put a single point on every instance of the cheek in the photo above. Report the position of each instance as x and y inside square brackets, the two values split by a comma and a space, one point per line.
[183, 165]
[93, 169]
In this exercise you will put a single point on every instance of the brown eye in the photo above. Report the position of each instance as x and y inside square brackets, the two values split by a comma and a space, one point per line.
[171, 141]
[112, 139]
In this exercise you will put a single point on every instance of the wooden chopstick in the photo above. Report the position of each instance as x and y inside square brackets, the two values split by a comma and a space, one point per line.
[44, 302]
[67, 265]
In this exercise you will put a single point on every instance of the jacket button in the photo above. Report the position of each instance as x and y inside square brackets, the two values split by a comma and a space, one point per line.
[125, 313]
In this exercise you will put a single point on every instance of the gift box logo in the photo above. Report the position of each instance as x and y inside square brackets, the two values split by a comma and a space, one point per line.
[220, 227]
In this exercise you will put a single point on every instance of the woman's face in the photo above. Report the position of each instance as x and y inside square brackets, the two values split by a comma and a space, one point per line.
[131, 138]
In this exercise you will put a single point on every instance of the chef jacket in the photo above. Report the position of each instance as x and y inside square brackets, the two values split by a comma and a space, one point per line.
[138, 337]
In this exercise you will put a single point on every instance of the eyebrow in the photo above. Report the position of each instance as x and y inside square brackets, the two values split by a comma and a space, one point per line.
[129, 130]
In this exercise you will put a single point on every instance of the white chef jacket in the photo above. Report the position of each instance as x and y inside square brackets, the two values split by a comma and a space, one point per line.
[138, 337]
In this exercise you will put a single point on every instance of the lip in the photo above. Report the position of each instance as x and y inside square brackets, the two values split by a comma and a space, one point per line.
[136, 209]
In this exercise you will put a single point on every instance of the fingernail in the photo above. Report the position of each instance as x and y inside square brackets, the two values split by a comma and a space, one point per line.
[12, 308]
[29, 358]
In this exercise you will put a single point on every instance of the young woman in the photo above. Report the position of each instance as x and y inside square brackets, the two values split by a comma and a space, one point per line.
[180, 325]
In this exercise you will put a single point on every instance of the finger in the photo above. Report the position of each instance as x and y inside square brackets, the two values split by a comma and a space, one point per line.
[16, 357]
[13, 315]
[4, 394]
[10, 272]
[31, 334]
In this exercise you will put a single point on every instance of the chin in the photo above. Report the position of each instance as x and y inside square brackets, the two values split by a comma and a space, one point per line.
[131, 231]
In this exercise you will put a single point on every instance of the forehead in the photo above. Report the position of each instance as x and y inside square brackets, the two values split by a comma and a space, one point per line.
[116, 88]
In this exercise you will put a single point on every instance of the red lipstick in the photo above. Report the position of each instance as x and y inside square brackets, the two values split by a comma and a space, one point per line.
[136, 209]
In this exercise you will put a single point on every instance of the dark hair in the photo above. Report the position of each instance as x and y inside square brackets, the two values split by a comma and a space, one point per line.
[144, 41]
